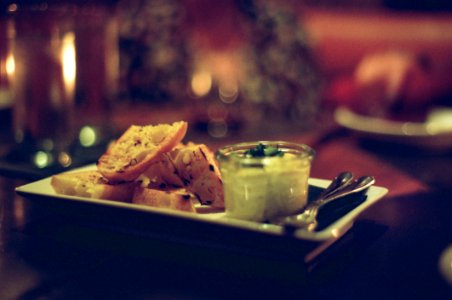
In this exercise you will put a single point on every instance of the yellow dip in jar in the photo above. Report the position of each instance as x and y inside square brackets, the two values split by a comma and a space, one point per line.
[265, 179]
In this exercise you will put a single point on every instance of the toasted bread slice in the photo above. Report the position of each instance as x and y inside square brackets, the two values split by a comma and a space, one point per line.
[137, 148]
[168, 199]
[198, 169]
[161, 174]
[91, 184]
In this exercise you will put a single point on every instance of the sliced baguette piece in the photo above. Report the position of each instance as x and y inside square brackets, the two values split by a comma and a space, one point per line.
[199, 171]
[168, 199]
[161, 174]
[137, 148]
[91, 184]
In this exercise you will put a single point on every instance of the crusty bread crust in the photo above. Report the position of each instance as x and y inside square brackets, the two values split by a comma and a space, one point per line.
[191, 166]
[91, 184]
[168, 199]
[137, 148]
[198, 169]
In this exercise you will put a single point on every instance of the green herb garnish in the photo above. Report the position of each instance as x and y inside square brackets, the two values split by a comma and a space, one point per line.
[262, 150]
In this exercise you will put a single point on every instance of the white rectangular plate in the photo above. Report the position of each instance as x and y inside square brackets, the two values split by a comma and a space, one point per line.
[336, 229]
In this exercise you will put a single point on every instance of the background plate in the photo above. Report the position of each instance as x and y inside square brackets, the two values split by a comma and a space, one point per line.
[435, 134]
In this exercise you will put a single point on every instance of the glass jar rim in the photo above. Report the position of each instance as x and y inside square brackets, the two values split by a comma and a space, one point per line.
[298, 150]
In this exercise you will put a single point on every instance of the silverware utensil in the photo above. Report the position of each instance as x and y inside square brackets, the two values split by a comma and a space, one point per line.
[341, 181]
[341, 186]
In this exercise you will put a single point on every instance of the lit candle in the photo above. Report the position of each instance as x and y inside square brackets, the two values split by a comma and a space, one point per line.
[69, 65]
[10, 66]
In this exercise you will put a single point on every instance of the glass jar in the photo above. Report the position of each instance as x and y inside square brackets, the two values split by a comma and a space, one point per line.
[259, 188]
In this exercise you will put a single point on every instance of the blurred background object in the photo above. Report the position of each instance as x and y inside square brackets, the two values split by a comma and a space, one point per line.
[62, 68]
[6, 70]
[393, 82]
[239, 67]
[282, 76]
[404, 54]
[234, 69]
[388, 65]
[154, 55]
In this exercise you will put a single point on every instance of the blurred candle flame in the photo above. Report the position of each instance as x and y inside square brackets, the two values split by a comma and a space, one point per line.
[10, 65]
[69, 63]
[201, 83]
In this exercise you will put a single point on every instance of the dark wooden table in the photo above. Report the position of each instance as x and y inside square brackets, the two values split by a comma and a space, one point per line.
[391, 252]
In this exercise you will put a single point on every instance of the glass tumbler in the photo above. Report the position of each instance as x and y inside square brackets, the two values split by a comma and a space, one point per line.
[66, 67]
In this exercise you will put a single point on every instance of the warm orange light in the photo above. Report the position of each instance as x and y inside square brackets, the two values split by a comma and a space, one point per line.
[69, 63]
[65, 159]
[12, 7]
[201, 83]
[10, 65]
